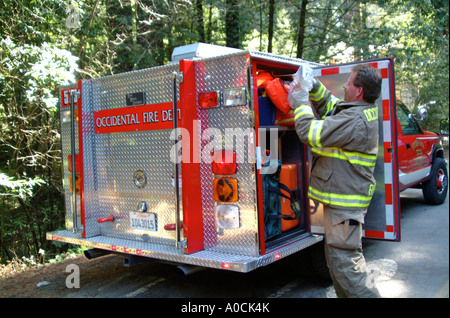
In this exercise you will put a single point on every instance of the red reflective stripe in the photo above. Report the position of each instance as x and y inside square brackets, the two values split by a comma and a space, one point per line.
[374, 234]
[386, 110]
[330, 71]
[388, 193]
[387, 155]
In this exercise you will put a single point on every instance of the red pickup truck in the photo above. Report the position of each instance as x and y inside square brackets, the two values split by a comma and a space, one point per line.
[420, 157]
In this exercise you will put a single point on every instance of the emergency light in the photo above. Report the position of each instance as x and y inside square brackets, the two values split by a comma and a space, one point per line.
[225, 189]
[224, 162]
[209, 99]
[77, 163]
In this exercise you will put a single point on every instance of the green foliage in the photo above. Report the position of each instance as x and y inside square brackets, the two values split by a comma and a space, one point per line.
[21, 188]
[32, 65]
[40, 49]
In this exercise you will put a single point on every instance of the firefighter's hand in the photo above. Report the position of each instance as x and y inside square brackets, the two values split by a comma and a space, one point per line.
[298, 97]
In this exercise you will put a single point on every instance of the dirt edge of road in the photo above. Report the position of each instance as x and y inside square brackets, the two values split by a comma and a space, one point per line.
[49, 281]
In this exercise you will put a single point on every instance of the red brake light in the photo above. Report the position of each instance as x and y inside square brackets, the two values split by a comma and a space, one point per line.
[208, 99]
[224, 162]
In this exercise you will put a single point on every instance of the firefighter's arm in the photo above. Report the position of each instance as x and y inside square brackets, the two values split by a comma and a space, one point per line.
[322, 99]
[305, 123]
[331, 132]
[298, 98]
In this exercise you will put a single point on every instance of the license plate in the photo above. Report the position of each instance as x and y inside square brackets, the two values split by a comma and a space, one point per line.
[144, 221]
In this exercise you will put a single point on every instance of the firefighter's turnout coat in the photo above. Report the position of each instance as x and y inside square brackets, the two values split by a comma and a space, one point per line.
[344, 143]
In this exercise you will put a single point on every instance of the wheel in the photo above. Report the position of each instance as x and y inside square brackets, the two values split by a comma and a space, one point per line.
[435, 189]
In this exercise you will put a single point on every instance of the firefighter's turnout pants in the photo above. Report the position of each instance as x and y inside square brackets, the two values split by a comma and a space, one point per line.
[345, 259]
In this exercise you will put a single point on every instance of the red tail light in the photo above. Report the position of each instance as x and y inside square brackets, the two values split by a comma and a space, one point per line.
[209, 99]
[224, 162]
[77, 163]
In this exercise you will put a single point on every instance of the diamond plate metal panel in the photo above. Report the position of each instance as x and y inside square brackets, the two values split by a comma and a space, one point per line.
[111, 159]
[214, 125]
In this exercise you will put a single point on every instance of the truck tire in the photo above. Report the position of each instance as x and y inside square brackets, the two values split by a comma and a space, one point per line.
[435, 189]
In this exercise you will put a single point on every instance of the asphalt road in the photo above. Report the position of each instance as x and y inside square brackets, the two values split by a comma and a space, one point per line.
[418, 266]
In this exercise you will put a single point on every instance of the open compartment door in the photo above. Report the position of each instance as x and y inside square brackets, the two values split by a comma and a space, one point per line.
[382, 220]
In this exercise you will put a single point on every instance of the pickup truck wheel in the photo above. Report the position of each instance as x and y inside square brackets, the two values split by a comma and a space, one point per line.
[435, 189]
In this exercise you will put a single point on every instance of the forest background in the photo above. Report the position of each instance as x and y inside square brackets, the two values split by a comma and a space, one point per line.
[46, 43]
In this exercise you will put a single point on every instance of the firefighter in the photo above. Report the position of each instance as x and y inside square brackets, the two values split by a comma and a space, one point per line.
[344, 143]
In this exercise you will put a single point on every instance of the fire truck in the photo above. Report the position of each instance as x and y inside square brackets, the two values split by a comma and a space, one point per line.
[170, 163]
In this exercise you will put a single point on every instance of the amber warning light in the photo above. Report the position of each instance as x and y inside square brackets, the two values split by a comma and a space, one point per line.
[226, 189]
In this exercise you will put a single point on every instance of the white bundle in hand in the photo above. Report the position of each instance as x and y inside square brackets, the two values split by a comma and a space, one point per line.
[303, 79]
[300, 87]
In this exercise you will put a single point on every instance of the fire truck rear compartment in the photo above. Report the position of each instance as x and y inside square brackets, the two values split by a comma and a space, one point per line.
[129, 201]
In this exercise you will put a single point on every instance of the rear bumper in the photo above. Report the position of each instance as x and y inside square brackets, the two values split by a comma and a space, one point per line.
[205, 258]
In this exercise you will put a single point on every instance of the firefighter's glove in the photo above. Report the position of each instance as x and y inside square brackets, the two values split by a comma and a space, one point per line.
[298, 97]
[302, 83]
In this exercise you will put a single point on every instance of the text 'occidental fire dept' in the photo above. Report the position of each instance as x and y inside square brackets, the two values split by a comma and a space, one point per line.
[139, 118]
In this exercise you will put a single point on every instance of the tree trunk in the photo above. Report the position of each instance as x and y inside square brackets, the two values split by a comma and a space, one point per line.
[271, 22]
[200, 25]
[232, 24]
[301, 29]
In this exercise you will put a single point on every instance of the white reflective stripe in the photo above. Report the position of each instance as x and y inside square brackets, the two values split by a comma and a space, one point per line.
[315, 130]
[428, 138]
[385, 91]
[303, 110]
